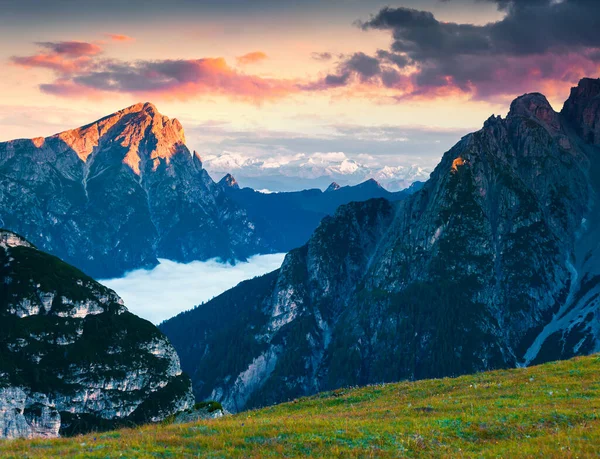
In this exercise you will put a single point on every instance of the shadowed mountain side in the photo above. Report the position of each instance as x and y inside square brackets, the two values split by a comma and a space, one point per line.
[493, 263]
[288, 219]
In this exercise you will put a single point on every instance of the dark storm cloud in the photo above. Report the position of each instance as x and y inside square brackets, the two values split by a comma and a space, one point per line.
[536, 40]
[366, 69]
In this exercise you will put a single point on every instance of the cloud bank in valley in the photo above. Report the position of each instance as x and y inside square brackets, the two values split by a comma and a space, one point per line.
[171, 287]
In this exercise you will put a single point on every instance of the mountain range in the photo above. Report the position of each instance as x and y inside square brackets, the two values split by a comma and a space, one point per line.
[494, 263]
[288, 219]
[310, 171]
[119, 193]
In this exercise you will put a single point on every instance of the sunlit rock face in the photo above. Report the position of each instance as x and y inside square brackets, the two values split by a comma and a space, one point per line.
[72, 358]
[494, 263]
[118, 194]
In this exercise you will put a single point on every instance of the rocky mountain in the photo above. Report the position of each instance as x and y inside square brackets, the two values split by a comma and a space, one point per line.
[72, 358]
[286, 220]
[119, 193]
[494, 263]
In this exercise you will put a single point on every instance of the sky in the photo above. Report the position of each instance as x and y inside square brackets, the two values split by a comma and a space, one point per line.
[170, 288]
[279, 82]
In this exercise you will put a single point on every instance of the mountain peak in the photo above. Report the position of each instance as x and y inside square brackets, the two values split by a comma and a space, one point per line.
[333, 187]
[370, 183]
[534, 105]
[129, 127]
[582, 109]
[229, 181]
[587, 87]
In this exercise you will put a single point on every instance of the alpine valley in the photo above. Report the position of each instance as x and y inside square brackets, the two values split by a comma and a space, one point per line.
[494, 263]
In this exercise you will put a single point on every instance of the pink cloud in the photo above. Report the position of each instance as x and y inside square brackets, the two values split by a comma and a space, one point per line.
[64, 57]
[71, 48]
[180, 79]
[119, 37]
[54, 62]
[251, 58]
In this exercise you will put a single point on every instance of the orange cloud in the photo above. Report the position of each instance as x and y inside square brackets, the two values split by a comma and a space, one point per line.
[119, 37]
[180, 79]
[251, 58]
[54, 62]
[64, 57]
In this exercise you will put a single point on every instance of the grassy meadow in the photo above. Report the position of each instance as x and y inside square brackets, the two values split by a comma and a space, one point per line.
[551, 410]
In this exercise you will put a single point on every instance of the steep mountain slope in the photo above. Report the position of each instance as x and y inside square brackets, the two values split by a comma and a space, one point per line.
[286, 220]
[494, 263]
[118, 193]
[72, 358]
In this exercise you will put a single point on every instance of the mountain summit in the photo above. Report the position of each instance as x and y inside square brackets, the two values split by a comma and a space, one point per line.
[129, 127]
[493, 263]
[119, 193]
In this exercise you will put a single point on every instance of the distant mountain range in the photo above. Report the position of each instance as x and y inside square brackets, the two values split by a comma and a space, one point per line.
[494, 263]
[316, 171]
[286, 220]
[121, 192]
[72, 358]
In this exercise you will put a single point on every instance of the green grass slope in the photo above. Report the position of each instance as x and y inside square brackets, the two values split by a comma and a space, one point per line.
[551, 410]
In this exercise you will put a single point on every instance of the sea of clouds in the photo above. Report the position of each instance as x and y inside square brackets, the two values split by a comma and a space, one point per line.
[172, 287]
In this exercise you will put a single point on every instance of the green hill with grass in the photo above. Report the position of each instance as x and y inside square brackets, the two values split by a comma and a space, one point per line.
[551, 410]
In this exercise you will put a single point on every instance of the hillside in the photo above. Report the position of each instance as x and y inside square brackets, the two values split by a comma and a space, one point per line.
[551, 410]
[72, 357]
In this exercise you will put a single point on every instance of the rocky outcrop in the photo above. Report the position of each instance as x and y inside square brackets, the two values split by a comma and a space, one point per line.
[228, 181]
[72, 358]
[494, 263]
[119, 193]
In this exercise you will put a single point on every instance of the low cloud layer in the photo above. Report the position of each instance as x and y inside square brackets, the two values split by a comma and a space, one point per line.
[170, 288]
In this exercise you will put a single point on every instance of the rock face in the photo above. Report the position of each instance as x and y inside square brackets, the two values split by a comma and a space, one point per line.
[72, 358]
[118, 194]
[494, 263]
